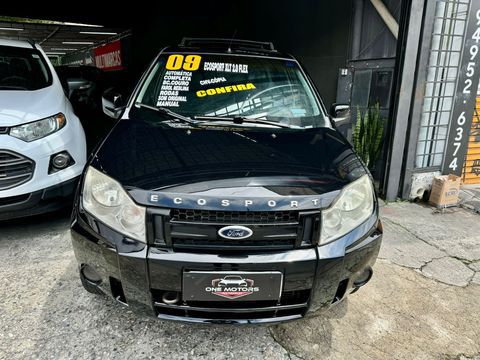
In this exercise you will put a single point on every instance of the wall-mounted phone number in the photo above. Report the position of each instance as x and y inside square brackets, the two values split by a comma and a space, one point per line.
[461, 120]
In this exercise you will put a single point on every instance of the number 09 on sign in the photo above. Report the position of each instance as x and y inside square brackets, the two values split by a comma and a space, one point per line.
[181, 62]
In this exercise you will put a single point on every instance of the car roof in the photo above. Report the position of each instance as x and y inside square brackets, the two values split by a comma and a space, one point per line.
[16, 43]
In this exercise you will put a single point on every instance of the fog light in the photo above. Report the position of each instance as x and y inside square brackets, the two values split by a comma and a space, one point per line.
[60, 161]
[171, 297]
[90, 274]
[363, 277]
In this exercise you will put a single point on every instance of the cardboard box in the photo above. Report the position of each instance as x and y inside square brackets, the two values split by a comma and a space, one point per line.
[445, 190]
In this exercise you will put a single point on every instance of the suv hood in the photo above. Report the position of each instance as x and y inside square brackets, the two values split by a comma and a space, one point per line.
[216, 162]
[19, 107]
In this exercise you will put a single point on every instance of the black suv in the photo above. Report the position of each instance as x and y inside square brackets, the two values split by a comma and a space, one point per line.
[225, 165]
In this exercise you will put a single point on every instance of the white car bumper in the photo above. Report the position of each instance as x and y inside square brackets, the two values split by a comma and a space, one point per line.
[71, 139]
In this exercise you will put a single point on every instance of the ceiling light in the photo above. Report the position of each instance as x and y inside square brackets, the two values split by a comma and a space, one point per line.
[98, 33]
[77, 42]
[54, 53]
[10, 29]
[65, 49]
[79, 24]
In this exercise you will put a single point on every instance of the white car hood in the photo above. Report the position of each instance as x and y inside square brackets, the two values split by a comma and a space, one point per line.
[18, 107]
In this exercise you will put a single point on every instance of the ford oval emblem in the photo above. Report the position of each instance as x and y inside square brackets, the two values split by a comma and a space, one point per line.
[235, 232]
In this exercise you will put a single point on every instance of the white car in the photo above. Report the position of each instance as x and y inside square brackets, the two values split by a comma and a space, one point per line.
[42, 142]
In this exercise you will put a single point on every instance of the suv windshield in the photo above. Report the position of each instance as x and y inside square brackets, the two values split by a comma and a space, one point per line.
[23, 69]
[217, 85]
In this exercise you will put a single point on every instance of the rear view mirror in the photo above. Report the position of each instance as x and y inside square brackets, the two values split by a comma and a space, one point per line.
[113, 103]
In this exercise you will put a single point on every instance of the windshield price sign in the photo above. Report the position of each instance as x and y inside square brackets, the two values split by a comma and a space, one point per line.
[466, 91]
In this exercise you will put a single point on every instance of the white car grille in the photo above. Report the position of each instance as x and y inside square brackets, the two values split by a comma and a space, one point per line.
[15, 169]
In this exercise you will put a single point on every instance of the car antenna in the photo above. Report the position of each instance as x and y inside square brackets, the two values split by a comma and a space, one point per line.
[231, 40]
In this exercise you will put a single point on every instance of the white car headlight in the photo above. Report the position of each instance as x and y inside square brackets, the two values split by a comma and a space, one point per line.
[38, 129]
[106, 199]
[354, 205]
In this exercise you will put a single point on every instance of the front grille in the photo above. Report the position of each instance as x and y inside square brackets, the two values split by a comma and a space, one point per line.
[15, 169]
[235, 217]
[291, 303]
[3, 130]
[222, 244]
[185, 229]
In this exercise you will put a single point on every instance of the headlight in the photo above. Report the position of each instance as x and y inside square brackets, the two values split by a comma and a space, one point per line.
[38, 129]
[353, 206]
[106, 199]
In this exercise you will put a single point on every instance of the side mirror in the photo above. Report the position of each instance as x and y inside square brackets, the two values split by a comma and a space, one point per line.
[113, 103]
[75, 84]
[340, 114]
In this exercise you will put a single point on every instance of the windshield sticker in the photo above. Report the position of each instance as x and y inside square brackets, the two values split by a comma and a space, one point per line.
[222, 85]
[213, 81]
[225, 67]
[225, 89]
[187, 63]
[174, 86]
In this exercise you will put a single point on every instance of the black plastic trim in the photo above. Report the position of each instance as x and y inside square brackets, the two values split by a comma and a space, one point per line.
[232, 310]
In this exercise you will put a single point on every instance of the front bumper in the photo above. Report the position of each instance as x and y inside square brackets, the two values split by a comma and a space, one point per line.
[38, 202]
[139, 275]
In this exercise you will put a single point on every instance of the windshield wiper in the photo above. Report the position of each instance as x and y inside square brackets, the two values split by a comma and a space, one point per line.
[168, 112]
[236, 119]
[242, 119]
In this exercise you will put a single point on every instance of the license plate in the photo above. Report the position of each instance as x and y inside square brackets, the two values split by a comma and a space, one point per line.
[231, 285]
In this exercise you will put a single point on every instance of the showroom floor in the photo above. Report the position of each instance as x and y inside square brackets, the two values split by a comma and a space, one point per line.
[423, 302]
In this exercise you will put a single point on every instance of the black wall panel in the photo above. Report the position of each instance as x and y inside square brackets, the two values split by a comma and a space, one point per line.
[316, 32]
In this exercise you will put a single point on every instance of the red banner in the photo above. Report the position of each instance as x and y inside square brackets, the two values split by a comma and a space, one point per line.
[109, 56]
